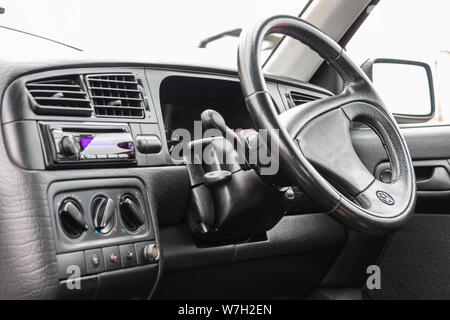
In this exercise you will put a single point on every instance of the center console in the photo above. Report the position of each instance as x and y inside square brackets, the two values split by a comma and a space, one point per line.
[86, 132]
[102, 225]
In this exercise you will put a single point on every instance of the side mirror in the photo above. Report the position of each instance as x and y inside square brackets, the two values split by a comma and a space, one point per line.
[406, 87]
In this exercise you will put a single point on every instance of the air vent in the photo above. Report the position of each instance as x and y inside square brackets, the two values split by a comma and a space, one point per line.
[296, 98]
[59, 96]
[115, 95]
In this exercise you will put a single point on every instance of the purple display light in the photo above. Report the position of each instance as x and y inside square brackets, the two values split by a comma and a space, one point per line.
[85, 141]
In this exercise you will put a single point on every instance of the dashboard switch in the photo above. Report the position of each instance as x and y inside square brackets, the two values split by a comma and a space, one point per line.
[128, 255]
[94, 261]
[112, 258]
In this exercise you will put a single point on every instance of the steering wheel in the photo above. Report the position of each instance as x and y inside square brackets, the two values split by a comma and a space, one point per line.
[315, 147]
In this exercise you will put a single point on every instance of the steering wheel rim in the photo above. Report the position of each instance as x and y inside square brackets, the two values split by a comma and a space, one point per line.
[316, 135]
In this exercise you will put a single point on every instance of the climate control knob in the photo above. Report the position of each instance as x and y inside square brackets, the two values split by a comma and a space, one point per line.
[72, 219]
[102, 209]
[131, 212]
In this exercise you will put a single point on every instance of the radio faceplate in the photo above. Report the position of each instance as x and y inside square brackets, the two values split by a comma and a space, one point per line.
[81, 144]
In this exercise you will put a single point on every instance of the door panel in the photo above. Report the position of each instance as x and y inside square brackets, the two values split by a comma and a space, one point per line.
[430, 151]
[425, 143]
[414, 262]
[431, 175]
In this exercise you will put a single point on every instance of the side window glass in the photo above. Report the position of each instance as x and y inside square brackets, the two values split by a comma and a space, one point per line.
[408, 30]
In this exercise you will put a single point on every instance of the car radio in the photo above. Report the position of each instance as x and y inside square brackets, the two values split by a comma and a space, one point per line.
[79, 144]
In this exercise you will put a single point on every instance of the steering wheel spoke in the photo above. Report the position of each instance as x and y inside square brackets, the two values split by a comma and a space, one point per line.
[383, 199]
[295, 119]
[325, 141]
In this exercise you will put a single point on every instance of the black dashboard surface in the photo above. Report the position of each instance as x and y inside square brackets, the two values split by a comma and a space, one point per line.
[184, 98]
[27, 233]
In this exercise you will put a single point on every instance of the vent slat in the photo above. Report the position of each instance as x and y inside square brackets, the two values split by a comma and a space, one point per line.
[59, 96]
[52, 86]
[302, 99]
[116, 89]
[61, 99]
[297, 98]
[113, 81]
[116, 98]
[115, 95]
[67, 109]
[114, 107]
[49, 93]
[299, 101]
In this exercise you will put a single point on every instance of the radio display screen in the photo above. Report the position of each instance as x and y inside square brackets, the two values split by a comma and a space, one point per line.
[85, 140]
[105, 143]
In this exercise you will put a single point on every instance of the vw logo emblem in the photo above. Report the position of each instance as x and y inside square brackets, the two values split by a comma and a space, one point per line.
[385, 198]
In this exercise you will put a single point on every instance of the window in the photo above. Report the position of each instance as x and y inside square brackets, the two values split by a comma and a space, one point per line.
[150, 29]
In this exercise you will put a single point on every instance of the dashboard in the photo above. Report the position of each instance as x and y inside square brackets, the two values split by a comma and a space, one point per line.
[89, 145]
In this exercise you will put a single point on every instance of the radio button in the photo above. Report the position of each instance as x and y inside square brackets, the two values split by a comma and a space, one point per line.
[69, 146]
[148, 144]
[57, 133]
